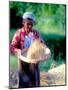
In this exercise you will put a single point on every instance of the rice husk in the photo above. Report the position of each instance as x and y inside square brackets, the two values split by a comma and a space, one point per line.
[36, 50]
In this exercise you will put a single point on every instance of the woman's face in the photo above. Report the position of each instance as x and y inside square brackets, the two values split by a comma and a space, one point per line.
[28, 24]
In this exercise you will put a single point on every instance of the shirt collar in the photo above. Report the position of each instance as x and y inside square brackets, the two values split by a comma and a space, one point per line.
[24, 32]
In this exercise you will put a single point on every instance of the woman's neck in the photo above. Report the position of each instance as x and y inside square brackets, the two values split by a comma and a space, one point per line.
[27, 32]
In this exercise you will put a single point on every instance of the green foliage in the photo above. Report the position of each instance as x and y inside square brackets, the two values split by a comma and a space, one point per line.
[11, 34]
[46, 14]
[51, 63]
[13, 62]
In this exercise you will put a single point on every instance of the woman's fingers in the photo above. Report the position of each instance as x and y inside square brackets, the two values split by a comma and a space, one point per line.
[18, 52]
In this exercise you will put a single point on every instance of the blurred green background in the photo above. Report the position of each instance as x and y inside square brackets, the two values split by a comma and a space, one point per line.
[50, 22]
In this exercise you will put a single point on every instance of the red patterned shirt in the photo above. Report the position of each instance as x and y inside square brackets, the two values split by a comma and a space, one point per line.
[18, 39]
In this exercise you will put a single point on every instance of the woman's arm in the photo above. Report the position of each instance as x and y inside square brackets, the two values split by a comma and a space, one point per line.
[15, 42]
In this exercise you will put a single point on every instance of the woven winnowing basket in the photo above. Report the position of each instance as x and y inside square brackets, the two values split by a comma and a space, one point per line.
[36, 52]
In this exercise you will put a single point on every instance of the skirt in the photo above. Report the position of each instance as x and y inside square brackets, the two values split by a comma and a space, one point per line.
[28, 77]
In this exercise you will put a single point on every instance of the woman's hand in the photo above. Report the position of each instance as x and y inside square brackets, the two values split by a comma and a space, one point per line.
[18, 52]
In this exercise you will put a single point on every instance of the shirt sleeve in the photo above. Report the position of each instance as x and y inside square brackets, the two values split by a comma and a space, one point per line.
[15, 42]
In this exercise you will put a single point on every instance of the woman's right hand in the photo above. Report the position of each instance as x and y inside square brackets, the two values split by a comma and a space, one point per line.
[18, 52]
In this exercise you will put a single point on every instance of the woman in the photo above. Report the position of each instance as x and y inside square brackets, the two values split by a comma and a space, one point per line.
[28, 72]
